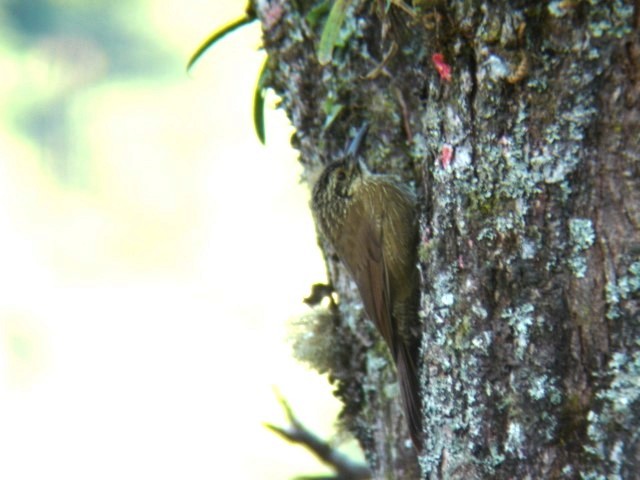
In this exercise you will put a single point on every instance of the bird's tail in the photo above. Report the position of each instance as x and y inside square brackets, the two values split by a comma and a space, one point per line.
[410, 391]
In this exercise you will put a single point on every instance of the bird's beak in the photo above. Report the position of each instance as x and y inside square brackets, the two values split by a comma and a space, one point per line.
[354, 163]
[352, 152]
[357, 166]
[357, 140]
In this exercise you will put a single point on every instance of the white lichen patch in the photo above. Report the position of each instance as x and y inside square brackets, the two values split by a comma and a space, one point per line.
[581, 237]
[520, 319]
[515, 439]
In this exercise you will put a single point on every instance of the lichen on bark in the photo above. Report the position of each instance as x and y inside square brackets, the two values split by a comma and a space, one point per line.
[526, 164]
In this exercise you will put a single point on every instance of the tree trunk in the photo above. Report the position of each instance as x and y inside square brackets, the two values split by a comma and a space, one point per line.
[527, 166]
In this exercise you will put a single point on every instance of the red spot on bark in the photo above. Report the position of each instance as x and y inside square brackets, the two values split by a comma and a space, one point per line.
[443, 68]
[446, 155]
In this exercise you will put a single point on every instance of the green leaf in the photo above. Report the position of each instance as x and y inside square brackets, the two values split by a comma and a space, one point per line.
[217, 35]
[332, 115]
[258, 105]
[317, 12]
[331, 30]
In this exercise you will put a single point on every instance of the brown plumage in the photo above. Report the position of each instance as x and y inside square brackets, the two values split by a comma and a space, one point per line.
[371, 222]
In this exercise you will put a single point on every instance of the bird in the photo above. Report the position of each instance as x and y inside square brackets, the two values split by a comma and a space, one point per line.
[371, 222]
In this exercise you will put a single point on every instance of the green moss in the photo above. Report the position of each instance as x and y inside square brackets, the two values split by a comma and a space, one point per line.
[462, 331]
[426, 250]
[572, 420]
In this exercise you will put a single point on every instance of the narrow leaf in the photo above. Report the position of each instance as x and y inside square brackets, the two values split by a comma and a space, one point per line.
[318, 12]
[217, 35]
[258, 105]
[331, 30]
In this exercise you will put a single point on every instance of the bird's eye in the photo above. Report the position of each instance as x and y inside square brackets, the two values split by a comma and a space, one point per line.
[341, 175]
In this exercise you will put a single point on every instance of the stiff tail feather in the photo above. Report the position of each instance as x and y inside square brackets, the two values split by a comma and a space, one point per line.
[410, 391]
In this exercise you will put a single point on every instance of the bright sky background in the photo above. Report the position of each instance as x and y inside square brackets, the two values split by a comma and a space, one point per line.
[144, 307]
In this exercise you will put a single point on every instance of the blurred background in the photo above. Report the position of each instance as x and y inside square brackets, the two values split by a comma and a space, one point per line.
[153, 252]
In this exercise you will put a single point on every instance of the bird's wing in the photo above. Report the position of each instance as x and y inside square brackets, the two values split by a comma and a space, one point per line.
[372, 277]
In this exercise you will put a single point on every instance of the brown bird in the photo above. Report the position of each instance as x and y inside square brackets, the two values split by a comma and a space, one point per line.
[370, 220]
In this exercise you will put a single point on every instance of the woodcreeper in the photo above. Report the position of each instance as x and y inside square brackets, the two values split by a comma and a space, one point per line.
[370, 220]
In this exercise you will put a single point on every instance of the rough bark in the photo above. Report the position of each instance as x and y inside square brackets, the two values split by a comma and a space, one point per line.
[530, 256]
